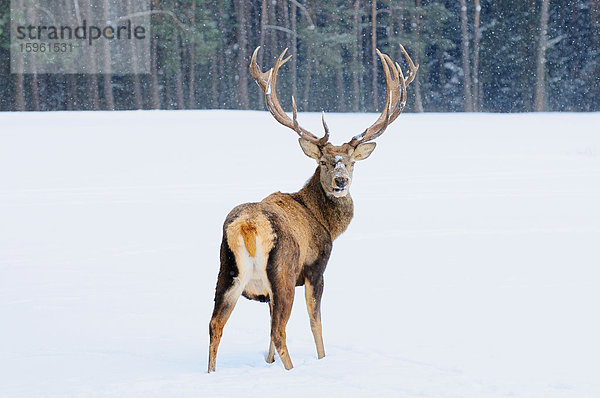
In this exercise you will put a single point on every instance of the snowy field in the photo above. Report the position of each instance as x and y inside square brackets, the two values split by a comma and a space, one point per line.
[471, 268]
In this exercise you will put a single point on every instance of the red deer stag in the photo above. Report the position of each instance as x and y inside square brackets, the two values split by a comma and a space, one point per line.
[270, 247]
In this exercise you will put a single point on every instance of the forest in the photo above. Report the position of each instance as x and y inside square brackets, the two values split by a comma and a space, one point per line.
[474, 55]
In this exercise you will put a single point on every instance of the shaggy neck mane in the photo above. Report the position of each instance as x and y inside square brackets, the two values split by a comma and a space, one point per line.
[333, 213]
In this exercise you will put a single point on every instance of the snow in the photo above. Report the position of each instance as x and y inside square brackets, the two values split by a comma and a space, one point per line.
[469, 270]
[360, 136]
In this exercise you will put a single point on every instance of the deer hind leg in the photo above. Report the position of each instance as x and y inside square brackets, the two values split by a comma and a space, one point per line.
[271, 355]
[313, 292]
[282, 308]
[229, 288]
[223, 307]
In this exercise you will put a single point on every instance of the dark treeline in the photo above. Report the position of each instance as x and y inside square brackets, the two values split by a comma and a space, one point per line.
[475, 55]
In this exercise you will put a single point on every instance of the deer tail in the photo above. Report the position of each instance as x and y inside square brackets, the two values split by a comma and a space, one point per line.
[252, 232]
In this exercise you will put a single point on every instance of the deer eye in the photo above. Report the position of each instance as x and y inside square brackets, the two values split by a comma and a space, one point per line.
[323, 163]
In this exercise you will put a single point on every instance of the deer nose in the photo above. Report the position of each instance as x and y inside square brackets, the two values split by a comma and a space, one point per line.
[341, 182]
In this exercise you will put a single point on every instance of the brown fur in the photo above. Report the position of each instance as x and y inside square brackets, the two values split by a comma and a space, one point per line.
[252, 228]
[284, 241]
[293, 235]
[248, 232]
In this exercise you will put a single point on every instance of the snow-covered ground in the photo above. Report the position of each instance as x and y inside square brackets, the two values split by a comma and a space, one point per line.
[471, 268]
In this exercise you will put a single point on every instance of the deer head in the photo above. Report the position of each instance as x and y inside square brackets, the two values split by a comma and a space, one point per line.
[336, 163]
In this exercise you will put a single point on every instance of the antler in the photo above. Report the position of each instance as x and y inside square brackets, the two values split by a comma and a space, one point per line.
[268, 83]
[395, 100]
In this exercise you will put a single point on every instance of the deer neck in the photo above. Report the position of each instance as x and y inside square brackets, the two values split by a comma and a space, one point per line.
[333, 213]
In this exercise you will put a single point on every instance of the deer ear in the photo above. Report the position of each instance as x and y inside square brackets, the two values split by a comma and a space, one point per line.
[363, 151]
[310, 148]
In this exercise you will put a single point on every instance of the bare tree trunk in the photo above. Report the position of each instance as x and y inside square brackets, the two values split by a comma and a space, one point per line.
[191, 70]
[72, 92]
[168, 90]
[417, 25]
[286, 18]
[308, 67]
[154, 74]
[356, 56]
[92, 86]
[240, 11]
[465, 57]
[33, 77]
[214, 84]
[217, 68]
[294, 60]
[528, 29]
[395, 52]
[154, 90]
[339, 82]
[373, 51]
[272, 32]
[263, 21]
[91, 77]
[35, 93]
[307, 79]
[286, 23]
[540, 64]
[19, 77]
[477, 98]
[137, 87]
[442, 68]
[92, 90]
[178, 76]
[191, 76]
[19, 90]
[108, 90]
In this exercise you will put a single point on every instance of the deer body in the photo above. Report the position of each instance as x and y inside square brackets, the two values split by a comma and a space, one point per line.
[270, 247]
[289, 223]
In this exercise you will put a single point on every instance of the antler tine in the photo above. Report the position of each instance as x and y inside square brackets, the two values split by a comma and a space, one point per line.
[271, 99]
[391, 83]
[326, 136]
[412, 69]
[382, 120]
[267, 81]
[294, 114]
[259, 76]
[399, 89]
[393, 97]
[396, 96]
[400, 103]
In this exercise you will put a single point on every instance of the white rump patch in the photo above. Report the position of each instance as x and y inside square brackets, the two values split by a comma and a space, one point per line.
[252, 278]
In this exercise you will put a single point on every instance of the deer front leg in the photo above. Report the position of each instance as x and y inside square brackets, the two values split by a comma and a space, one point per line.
[313, 292]
[282, 308]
